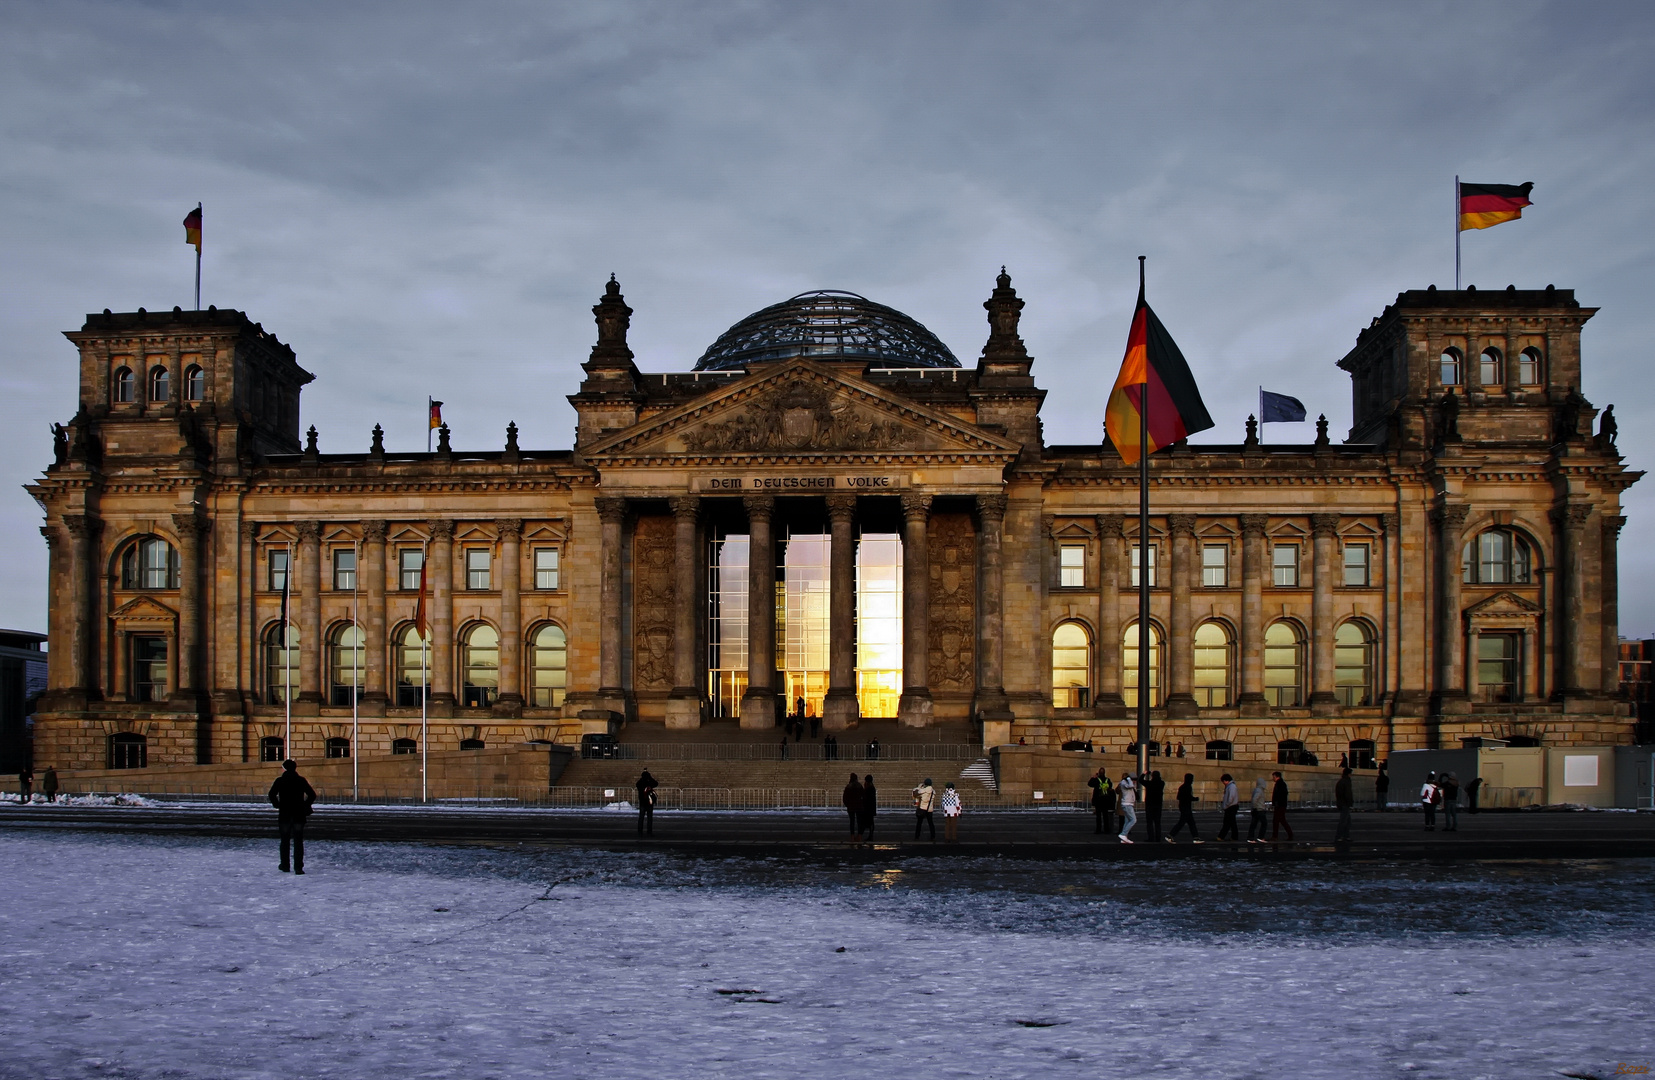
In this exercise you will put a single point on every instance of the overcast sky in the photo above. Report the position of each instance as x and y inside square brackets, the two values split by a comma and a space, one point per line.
[425, 199]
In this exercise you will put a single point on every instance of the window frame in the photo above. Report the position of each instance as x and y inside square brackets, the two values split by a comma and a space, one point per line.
[1154, 564]
[123, 758]
[1346, 691]
[159, 385]
[276, 577]
[136, 668]
[554, 693]
[1512, 665]
[401, 747]
[1220, 750]
[409, 694]
[195, 384]
[1452, 361]
[1530, 370]
[555, 570]
[337, 743]
[1222, 567]
[1205, 695]
[123, 386]
[138, 569]
[1365, 566]
[1157, 658]
[1076, 580]
[1072, 695]
[474, 574]
[272, 750]
[1516, 567]
[1491, 358]
[344, 578]
[343, 694]
[479, 695]
[278, 659]
[407, 573]
[1277, 566]
[1273, 691]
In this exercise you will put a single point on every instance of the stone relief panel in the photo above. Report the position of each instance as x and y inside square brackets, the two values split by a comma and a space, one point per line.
[804, 416]
[653, 598]
[953, 646]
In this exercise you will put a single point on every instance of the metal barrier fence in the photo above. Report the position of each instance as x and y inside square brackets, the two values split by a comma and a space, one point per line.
[796, 751]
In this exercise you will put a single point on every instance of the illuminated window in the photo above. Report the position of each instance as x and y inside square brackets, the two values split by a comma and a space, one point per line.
[549, 662]
[151, 563]
[1071, 667]
[1212, 666]
[281, 663]
[345, 653]
[1283, 665]
[1137, 553]
[1496, 557]
[482, 666]
[1353, 664]
[413, 674]
[1129, 666]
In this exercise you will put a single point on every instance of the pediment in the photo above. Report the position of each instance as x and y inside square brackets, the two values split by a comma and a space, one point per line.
[1502, 603]
[144, 610]
[801, 408]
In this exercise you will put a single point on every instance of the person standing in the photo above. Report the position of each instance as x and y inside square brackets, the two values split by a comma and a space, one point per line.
[1450, 803]
[1260, 804]
[815, 726]
[1343, 801]
[292, 796]
[49, 786]
[1471, 790]
[25, 784]
[852, 800]
[1428, 799]
[1103, 801]
[646, 786]
[1382, 787]
[925, 802]
[951, 807]
[1186, 809]
[873, 750]
[1127, 793]
[784, 746]
[1230, 803]
[870, 806]
[1278, 803]
[1154, 795]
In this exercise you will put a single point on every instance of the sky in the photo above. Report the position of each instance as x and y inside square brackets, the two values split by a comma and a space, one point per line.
[426, 199]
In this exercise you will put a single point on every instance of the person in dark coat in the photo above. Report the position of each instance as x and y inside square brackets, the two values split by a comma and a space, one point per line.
[1186, 809]
[870, 806]
[853, 807]
[1155, 790]
[646, 786]
[49, 786]
[1278, 803]
[1343, 799]
[292, 796]
[1382, 786]
[1103, 801]
[1470, 791]
[25, 783]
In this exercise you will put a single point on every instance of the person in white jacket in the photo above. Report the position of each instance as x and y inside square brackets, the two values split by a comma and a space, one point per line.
[925, 801]
[1128, 795]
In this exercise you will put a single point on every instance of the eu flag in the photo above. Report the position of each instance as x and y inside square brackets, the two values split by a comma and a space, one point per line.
[1279, 408]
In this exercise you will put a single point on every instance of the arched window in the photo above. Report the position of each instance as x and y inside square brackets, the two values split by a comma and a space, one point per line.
[404, 746]
[549, 660]
[1071, 667]
[1451, 362]
[1220, 750]
[345, 659]
[1363, 754]
[195, 383]
[150, 563]
[412, 659]
[281, 663]
[1528, 367]
[1129, 666]
[1212, 666]
[482, 666]
[123, 386]
[471, 744]
[1291, 752]
[1283, 665]
[1491, 368]
[339, 747]
[272, 748]
[128, 750]
[1495, 557]
[1353, 663]
[160, 384]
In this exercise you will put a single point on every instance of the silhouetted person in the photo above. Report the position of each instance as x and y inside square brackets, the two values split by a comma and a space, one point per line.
[873, 750]
[1471, 790]
[1343, 800]
[1186, 809]
[646, 786]
[1154, 795]
[852, 800]
[292, 796]
[1278, 804]
[25, 784]
[1103, 801]
[1230, 803]
[870, 806]
[784, 746]
[1450, 803]
[48, 784]
[925, 802]
[1382, 786]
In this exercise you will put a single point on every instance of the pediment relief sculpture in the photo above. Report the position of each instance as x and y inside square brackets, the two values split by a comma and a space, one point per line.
[802, 416]
[143, 610]
[1503, 604]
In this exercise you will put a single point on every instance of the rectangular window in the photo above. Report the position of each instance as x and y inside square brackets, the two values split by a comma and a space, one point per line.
[277, 562]
[1356, 565]
[1137, 553]
[409, 562]
[545, 568]
[476, 568]
[1215, 565]
[1073, 566]
[149, 668]
[1497, 665]
[1286, 566]
[344, 570]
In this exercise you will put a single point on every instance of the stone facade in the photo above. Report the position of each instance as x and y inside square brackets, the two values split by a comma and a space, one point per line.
[1449, 571]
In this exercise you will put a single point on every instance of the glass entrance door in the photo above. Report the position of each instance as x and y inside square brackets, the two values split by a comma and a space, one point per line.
[879, 624]
[803, 620]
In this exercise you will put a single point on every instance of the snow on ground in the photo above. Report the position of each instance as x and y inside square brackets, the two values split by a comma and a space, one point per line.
[151, 957]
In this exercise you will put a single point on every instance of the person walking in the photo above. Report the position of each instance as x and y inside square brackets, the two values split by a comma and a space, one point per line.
[1450, 803]
[951, 807]
[1343, 801]
[784, 746]
[1260, 804]
[852, 799]
[1186, 809]
[1429, 796]
[646, 786]
[1103, 801]
[1128, 796]
[870, 806]
[1471, 790]
[1154, 793]
[25, 784]
[1278, 803]
[925, 801]
[1382, 787]
[48, 785]
[292, 796]
[1230, 803]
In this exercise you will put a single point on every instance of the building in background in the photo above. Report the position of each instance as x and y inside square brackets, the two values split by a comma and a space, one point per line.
[828, 511]
[22, 681]
[1637, 660]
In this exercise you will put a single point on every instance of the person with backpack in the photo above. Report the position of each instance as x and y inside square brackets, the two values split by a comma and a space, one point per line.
[1186, 810]
[1429, 797]
[925, 802]
[1128, 796]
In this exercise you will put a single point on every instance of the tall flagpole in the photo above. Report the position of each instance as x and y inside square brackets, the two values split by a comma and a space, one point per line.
[198, 264]
[424, 685]
[287, 652]
[356, 679]
[430, 399]
[1456, 234]
[1143, 558]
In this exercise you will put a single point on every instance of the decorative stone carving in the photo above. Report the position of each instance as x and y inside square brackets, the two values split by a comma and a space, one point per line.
[191, 523]
[1612, 527]
[1572, 516]
[685, 506]
[610, 509]
[841, 508]
[654, 600]
[915, 505]
[249, 531]
[1181, 524]
[991, 507]
[804, 416]
[1327, 524]
[441, 529]
[759, 507]
[1252, 525]
[1110, 526]
[373, 531]
[510, 528]
[309, 531]
[952, 543]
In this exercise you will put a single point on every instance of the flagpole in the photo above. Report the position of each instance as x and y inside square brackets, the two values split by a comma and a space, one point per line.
[429, 399]
[287, 653]
[198, 266]
[1261, 413]
[356, 678]
[1456, 234]
[1143, 560]
[424, 680]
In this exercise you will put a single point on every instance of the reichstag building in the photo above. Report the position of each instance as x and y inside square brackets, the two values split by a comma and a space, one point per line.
[828, 510]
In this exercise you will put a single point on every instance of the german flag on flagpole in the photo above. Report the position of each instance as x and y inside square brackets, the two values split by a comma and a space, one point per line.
[1483, 206]
[1152, 362]
[192, 229]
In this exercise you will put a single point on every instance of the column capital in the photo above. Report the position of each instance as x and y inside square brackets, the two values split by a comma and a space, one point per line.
[685, 506]
[1389, 522]
[1450, 517]
[81, 526]
[509, 528]
[841, 507]
[610, 509]
[1324, 525]
[916, 505]
[1572, 516]
[309, 531]
[991, 507]
[1181, 525]
[1612, 525]
[373, 531]
[50, 534]
[1111, 526]
[249, 531]
[441, 529]
[1252, 525]
[759, 507]
[190, 524]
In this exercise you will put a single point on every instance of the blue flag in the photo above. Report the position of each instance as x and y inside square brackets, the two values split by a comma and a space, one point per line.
[1279, 408]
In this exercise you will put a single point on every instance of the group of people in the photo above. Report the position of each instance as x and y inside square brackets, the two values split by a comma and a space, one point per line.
[861, 802]
[48, 784]
[1115, 807]
[1443, 793]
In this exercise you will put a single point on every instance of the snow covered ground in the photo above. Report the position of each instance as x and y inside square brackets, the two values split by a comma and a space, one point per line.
[158, 957]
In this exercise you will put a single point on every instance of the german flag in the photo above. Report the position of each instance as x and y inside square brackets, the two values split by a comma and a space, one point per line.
[192, 229]
[1152, 362]
[1485, 205]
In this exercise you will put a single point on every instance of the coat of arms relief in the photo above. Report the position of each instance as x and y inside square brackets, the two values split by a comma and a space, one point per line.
[802, 416]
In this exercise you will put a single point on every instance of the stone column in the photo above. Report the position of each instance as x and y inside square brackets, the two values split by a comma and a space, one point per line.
[685, 703]
[439, 579]
[1110, 535]
[374, 649]
[914, 708]
[510, 702]
[312, 651]
[83, 530]
[190, 530]
[1575, 679]
[841, 709]
[1180, 702]
[1251, 703]
[248, 647]
[1450, 696]
[1324, 532]
[1609, 573]
[758, 703]
[991, 704]
[612, 519]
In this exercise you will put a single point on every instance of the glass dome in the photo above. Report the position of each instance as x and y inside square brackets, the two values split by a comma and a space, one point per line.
[828, 325]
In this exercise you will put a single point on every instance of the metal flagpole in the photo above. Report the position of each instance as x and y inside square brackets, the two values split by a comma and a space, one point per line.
[356, 680]
[287, 652]
[424, 686]
[1456, 234]
[1261, 413]
[1143, 555]
[198, 264]
[430, 399]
